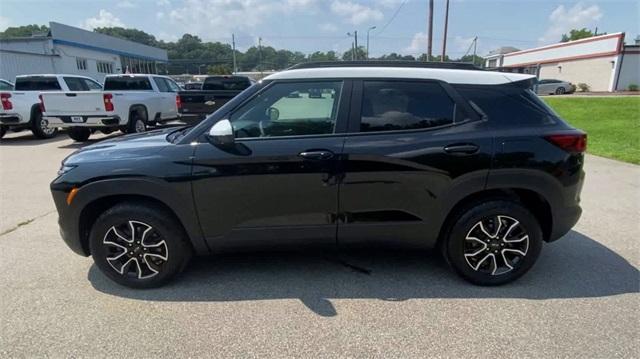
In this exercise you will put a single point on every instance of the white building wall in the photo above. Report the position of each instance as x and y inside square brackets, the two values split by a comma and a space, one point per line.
[68, 64]
[597, 72]
[629, 71]
[13, 64]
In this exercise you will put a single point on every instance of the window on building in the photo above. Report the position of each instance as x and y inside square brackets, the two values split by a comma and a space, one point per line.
[395, 105]
[492, 63]
[105, 67]
[81, 63]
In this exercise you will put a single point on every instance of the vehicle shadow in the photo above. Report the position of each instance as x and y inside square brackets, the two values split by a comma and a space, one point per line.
[574, 267]
[26, 138]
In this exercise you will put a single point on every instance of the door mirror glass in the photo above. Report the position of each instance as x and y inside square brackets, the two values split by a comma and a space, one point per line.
[221, 134]
[273, 114]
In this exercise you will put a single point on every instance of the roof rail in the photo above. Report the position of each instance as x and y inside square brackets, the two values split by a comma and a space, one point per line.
[387, 63]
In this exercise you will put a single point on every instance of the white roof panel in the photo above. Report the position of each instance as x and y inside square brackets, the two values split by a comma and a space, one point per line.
[471, 77]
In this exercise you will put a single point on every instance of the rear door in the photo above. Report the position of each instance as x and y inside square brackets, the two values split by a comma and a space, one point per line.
[278, 185]
[412, 146]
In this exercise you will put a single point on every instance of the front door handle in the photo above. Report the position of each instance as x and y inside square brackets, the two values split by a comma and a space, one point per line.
[316, 155]
[462, 148]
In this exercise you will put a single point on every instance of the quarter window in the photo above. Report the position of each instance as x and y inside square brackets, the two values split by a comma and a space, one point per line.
[392, 106]
[290, 109]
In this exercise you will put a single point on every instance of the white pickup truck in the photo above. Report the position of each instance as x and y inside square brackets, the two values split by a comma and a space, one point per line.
[21, 106]
[128, 102]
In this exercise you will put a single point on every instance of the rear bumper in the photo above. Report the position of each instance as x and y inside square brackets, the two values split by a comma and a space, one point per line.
[87, 121]
[563, 221]
[11, 119]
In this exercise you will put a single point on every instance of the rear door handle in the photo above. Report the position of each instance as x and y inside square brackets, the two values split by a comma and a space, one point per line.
[316, 155]
[462, 148]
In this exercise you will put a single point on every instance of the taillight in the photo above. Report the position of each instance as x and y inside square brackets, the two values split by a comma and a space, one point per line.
[6, 102]
[178, 102]
[41, 103]
[108, 104]
[569, 142]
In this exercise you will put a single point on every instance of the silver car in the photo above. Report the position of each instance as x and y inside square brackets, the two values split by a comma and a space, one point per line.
[553, 87]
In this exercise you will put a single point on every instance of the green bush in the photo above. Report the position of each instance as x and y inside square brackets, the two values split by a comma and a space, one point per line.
[633, 87]
[573, 88]
[583, 87]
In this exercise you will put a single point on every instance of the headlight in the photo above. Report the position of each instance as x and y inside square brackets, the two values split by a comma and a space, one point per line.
[64, 169]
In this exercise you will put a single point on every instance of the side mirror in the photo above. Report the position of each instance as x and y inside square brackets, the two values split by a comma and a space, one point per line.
[221, 134]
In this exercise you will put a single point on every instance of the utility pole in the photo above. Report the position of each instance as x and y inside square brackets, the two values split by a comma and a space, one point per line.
[371, 28]
[475, 45]
[260, 54]
[446, 24]
[233, 47]
[355, 52]
[430, 31]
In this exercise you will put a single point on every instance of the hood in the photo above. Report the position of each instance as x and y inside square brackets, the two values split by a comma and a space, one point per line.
[137, 145]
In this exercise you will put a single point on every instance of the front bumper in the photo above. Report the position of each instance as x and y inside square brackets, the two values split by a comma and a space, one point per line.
[69, 222]
[12, 119]
[87, 121]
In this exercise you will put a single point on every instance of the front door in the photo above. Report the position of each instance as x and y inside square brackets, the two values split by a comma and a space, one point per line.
[278, 184]
[412, 146]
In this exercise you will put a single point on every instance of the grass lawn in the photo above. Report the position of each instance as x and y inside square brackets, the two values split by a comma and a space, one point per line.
[612, 124]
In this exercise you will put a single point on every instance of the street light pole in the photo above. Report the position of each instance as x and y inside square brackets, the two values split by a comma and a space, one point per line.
[233, 47]
[371, 28]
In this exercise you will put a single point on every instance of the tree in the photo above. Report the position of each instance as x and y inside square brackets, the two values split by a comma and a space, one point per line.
[134, 35]
[361, 54]
[470, 58]
[577, 34]
[322, 56]
[219, 70]
[24, 31]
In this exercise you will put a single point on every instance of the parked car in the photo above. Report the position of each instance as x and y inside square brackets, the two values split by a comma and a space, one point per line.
[411, 154]
[129, 103]
[215, 92]
[6, 85]
[21, 106]
[554, 87]
[192, 86]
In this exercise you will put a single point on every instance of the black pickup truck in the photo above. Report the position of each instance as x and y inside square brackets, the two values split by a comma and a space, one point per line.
[216, 91]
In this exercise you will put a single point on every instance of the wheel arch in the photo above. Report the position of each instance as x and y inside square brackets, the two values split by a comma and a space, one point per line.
[538, 204]
[141, 109]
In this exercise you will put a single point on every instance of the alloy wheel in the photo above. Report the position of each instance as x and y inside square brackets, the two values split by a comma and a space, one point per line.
[496, 245]
[140, 126]
[44, 125]
[135, 249]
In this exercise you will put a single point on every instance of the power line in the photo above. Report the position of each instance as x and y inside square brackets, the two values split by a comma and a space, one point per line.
[392, 17]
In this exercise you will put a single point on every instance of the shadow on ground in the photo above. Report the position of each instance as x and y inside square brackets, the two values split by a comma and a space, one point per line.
[26, 138]
[574, 267]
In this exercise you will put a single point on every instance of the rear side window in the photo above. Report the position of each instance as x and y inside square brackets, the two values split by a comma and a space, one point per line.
[37, 83]
[127, 83]
[226, 83]
[393, 106]
[509, 106]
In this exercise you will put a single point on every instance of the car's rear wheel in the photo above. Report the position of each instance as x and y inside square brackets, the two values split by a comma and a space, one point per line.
[137, 123]
[139, 245]
[560, 91]
[79, 134]
[493, 243]
[40, 126]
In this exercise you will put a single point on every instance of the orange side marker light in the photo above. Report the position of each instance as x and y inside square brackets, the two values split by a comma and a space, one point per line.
[71, 195]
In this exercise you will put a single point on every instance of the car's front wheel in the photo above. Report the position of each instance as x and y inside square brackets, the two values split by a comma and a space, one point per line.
[560, 91]
[79, 134]
[139, 245]
[494, 243]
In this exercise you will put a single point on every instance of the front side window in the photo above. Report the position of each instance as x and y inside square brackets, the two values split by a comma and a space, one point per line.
[92, 85]
[162, 85]
[173, 87]
[395, 105]
[290, 109]
[5, 86]
[76, 84]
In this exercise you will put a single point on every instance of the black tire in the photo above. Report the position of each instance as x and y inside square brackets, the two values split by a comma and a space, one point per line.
[467, 236]
[176, 250]
[137, 123]
[79, 134]
[560, 91]
[40, 127]
[3, 131]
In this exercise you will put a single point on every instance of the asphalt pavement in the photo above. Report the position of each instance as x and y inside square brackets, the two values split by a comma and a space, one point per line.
[580, 300]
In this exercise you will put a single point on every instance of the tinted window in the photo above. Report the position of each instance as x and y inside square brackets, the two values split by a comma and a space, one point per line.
[162, 85]
[127, 83]
[76, 84]
[290, 109]
[509, 105]
[390, 105]
[226, 83]
[5, 86]
[92, 85]
[37, 83]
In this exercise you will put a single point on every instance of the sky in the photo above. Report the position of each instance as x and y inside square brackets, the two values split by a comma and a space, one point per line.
[322, 25]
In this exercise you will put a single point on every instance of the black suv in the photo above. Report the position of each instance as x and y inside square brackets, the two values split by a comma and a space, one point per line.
[418, 155]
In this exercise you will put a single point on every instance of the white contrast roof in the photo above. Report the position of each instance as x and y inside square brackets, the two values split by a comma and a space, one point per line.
[447, 75]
